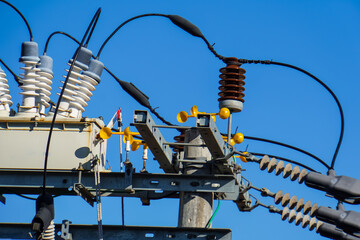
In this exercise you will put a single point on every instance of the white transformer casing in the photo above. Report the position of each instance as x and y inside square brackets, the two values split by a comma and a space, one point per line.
[74, 142]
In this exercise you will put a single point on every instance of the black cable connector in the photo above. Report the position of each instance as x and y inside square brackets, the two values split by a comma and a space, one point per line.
[177, 20]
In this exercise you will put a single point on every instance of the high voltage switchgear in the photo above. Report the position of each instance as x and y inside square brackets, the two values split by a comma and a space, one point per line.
[200, 165]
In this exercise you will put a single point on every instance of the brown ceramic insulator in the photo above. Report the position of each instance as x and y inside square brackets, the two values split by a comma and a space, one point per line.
[179, 139]
[232, 81]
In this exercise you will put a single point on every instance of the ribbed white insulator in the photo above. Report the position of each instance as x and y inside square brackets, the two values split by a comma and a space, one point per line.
[83, 94]
[44, 90]
[293, 202]
[280, 167]
[69, 91]
[29, 89]
[49, 233]
[5, 98]
[299, 218]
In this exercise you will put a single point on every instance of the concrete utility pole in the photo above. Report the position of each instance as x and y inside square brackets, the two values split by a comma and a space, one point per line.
[195, 208]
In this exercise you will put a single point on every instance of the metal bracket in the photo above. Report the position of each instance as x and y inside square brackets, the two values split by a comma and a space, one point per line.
[65, 230]
[129, 170]
[154, 139]
[81, 190]
[215, 143]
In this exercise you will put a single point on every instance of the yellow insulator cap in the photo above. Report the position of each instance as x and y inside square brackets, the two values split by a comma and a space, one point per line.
[242, 158]
[238, 138]
[213, 117]
[224, 113]
[127, 132]
[105, 133]
[135, 145]
[128, 138]
[194, 111]
[182, 117]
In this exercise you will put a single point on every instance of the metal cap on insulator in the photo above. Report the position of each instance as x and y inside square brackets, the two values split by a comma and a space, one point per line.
[83, 58]
[29, 52]
[95, 69]
[46, 64]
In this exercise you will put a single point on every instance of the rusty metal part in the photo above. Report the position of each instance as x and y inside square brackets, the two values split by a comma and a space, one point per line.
[232, 81]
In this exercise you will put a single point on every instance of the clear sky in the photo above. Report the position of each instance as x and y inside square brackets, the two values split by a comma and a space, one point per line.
[177, 71]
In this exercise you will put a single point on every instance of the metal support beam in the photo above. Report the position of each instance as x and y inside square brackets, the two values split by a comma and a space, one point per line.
[114, 183]
[115, 232]
[154, 139]
[216, 144]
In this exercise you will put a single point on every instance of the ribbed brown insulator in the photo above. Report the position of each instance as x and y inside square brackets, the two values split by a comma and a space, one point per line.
[179, 139]
[232, 81]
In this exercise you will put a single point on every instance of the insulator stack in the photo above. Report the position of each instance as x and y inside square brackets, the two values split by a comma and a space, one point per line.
[5, 98]
[81, 64]
[49, 233]
[287, 170]
[29, 57]
[88, 81]
[294, 203]
[44, 83]
[179, 139]
[299, 218]
[232, 85]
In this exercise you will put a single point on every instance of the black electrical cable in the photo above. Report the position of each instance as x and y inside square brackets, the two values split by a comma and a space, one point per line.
[17, 78]
[22, 16]
[62, 93]
[286, 160]
[177, 20]
[22, 195]
[58, 32]
[288, 146]
[322, 84]
[92, 29]
[124, 23]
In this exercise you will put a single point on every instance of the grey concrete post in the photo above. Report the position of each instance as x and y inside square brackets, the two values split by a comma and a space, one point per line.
[195, 208]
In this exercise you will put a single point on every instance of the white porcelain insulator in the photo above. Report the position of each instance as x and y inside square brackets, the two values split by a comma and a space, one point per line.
[5, 98]
[83, 94]
[44, 84]
[70, 91]
[29, 90]
[49, 233]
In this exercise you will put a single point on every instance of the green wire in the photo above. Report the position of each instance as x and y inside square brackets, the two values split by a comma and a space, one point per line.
[234, 158]
[214, 214]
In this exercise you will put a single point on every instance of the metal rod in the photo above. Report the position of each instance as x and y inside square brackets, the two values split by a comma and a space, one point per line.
[176, 127]
[229, 129]
[184, 144]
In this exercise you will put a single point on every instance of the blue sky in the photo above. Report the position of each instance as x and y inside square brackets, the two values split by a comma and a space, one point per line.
[177, 71]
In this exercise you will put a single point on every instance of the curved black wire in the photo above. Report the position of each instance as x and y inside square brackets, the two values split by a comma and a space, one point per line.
[22, 16]
[17, 78]
[288, 146]
[286, 160]
[124, 23]
[58, 32]
[61, 94]
[322, 84]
